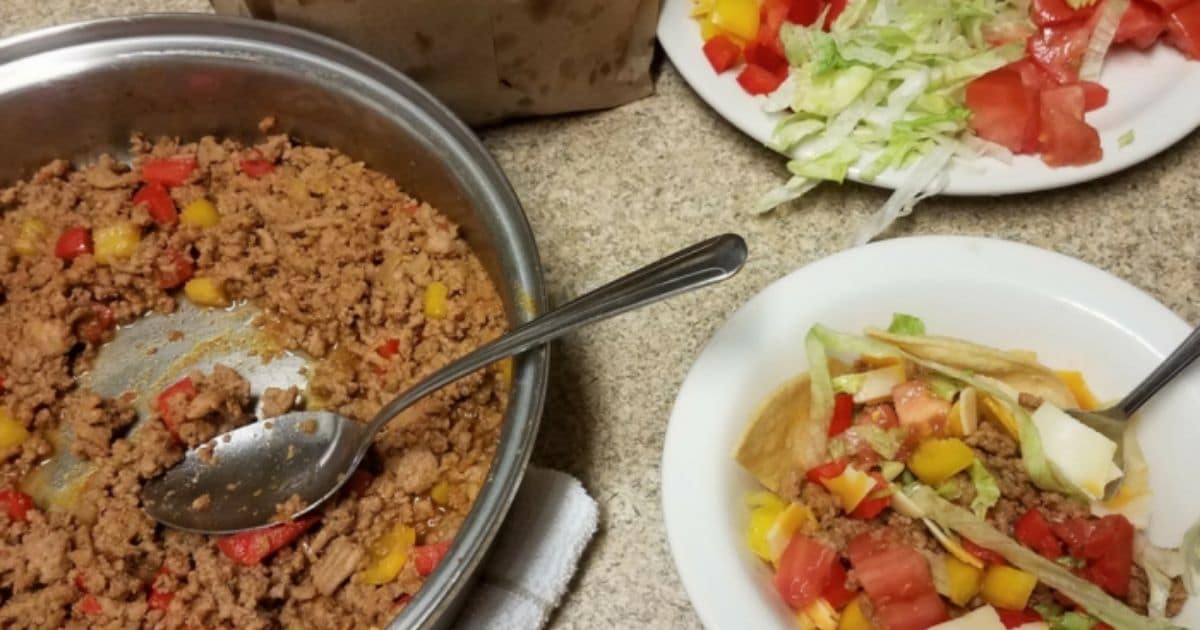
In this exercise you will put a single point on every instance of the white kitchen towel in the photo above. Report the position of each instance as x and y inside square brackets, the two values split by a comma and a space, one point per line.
[550, 523]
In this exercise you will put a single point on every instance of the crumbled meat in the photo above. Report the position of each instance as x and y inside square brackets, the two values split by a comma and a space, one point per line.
[276, 401]
[379, 249]
[1029, 401]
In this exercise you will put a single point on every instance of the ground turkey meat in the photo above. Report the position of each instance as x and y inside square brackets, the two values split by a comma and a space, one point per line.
[339, 261]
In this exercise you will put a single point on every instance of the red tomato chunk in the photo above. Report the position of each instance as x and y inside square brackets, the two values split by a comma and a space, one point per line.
[804, 571]
[1183, 30]
[1003, 110]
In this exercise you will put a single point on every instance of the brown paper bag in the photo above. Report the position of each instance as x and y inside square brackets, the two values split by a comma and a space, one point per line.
[492, 59]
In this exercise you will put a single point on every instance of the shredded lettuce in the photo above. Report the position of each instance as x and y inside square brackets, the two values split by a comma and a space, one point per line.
[891, 470]
[883, 89]
[1091, 597]
[821, 405]
[883, 441]
[905, 324]
[943, 387]
[1126, 139]
[1160, 565]
[987, 491]
[848, 383]
[1102, 38]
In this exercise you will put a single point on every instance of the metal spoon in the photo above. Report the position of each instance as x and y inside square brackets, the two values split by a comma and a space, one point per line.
[1113, 421]
[309, 454]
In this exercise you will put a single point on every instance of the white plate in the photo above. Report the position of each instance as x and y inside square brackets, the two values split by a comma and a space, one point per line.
[1153, 94]
[995, 292]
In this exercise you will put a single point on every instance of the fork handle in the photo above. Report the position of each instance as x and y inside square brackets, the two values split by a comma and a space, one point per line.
[1180, 358]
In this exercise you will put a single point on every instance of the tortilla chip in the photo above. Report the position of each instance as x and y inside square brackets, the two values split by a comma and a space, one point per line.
[765, 449]
[1017, 369]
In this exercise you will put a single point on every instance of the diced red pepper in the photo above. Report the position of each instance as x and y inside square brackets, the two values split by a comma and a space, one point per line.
[1016, 618]
[828, 470]
[771, 16]
[1033, 531]
[805, 12]
[185, 388]
[835, 9]
[158, 203]
[758, 80]
[1112, 569]
[16, 504]
[427, 557]
[159, 600]
[74, 241]
[250, 548]
[843, 414]
[836, 592]
[871, 506]
[722, 53]
[987, 555]
[389, 348]
[175, 269]
[763, 56]
[169, 172]
[95, 328]
[90, 605]
[257, 167]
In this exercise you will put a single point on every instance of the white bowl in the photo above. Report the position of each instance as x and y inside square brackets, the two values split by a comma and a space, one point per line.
[995, 292]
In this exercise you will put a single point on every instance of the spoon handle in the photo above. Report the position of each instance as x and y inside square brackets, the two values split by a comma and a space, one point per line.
[1180, 358]
[697, 266]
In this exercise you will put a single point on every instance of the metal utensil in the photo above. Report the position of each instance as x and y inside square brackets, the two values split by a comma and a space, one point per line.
[1113, 421]
[255, 469]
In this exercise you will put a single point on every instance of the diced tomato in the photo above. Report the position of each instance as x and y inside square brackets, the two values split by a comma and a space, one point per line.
[835, 9]
[159, 600]
[73, 242]
[1049, 12]
[828, 470]
[1170, 5]
[722, 53]
[16, 504]
[1032, 75]
[987, 555]
[90, 605]
[918, 406]
[897, 580]
[881, 414]
[389, 348]
[1033, 531]
[359, 482]
[758, 80]
[805, 12]
[169, 172]
[835, 591]
[804, 571]
[1059, 49]
[1095, 95]
[174, 269]
[1002, 110]
[1015, 618]
[843, 414]
[250, 548]
[427, 557]
[259, 167]
[1112, 569]
[158, 203]
[1141, 24]
[185, 388]
[871, 506]
[1183, 29]
[94, 329]
[1065, 139]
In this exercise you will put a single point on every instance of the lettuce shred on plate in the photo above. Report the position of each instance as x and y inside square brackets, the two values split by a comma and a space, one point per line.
[949, 478]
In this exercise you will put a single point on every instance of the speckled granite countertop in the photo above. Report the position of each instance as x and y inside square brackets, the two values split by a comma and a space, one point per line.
[609, 190]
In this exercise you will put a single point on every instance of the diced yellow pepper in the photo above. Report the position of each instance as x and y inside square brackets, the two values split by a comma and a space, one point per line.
[505, 367]
[739, 17]
[1079, 389]
[388, 555]
[205, 292]
[440, 493]
[200, 212]
[937, 460]
[779, 534]
[435, 300]
[853, 617]
[31, 236]
[701, 7]
[1006, 587]
[119, 240]
[765, 509]
[12, 433]
[819, 615]
[852, 486]
[962, 580]
[994, 410]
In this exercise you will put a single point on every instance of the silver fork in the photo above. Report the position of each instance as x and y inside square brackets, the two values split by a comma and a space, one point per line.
[1113, 421]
